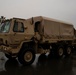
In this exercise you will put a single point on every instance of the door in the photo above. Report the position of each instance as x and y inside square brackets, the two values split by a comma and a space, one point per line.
[17, 35]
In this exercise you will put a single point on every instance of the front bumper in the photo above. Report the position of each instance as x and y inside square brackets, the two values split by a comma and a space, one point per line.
[5, 49]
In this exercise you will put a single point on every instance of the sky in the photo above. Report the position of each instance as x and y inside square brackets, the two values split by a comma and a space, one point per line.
[64, 10]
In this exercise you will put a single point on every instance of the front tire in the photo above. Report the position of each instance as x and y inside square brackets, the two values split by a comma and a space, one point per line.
[8, 56]
[27, 57]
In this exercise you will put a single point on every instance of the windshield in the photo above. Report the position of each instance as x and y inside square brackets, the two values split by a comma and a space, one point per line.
[4, 27]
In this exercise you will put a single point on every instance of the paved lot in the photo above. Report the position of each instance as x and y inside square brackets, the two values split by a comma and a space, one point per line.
[41, 66]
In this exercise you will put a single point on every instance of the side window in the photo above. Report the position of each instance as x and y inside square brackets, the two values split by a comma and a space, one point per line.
[18, 27]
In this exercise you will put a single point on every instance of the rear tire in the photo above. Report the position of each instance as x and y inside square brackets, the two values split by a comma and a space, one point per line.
[27, 57]
[68, 51]
[60, 52]
[50, 55]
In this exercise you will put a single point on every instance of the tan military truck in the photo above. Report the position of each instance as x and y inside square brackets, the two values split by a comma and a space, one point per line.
[23, 38]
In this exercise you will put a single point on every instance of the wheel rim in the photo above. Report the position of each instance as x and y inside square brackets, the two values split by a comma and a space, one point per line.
[69, 50]
[28, 56]
[60, 52]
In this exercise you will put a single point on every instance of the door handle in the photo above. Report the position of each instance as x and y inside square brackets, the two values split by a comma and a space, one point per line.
[14, 34]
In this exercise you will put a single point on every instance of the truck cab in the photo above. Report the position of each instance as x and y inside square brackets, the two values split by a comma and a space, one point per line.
[13, 33]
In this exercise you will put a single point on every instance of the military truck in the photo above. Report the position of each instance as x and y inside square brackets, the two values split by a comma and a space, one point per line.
[24, 38]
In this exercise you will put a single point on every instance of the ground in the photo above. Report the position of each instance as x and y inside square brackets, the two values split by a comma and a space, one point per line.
[41, 66]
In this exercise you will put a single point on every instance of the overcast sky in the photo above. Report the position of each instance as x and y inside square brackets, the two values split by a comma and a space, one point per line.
[64, 10]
